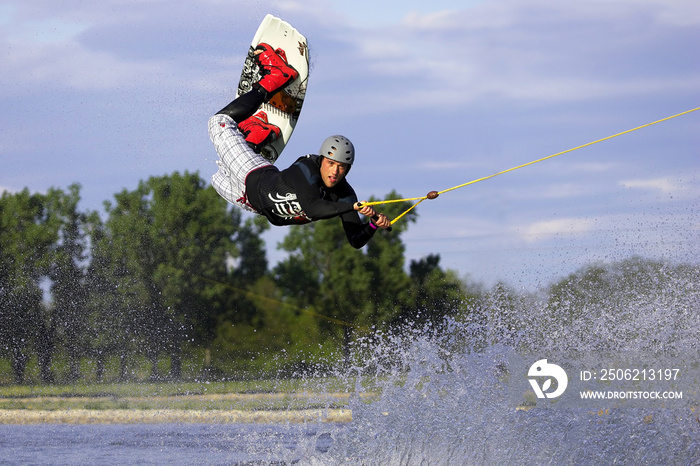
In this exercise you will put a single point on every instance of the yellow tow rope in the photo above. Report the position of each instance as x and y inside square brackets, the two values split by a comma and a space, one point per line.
[434, 194]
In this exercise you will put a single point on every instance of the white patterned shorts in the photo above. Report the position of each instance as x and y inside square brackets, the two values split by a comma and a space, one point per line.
[236, 160]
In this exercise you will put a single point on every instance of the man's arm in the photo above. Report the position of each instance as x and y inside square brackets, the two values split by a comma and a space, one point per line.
[358, 233]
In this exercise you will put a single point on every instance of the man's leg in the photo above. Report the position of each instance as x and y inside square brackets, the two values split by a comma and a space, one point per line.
[244, 106]
[237, 159]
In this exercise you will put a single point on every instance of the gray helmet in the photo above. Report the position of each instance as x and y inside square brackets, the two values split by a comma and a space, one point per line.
[338, 148]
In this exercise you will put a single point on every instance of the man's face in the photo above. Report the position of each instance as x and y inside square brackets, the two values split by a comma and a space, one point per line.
[332, 172]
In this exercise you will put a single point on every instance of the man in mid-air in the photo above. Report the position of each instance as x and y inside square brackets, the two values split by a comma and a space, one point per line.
[312, 188]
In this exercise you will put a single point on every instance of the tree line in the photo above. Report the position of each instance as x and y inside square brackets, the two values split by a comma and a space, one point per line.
[173, 278]
[170, 269]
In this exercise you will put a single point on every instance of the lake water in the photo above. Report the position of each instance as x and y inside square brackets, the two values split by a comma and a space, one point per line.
[162, 444]
[442, 395]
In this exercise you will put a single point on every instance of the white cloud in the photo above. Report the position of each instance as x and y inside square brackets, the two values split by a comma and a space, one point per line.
[70, 65]
[542, 230]
[50, 31]
[672, 236]
[448, 54]
[665, 185]
[372, 13]
[592, 167]
[445, 165]
[80, 47]
[539, 51]
[560, 191]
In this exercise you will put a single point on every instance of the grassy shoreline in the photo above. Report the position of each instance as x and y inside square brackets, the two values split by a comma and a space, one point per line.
[207, 402]
[260, 401]
[172, 416]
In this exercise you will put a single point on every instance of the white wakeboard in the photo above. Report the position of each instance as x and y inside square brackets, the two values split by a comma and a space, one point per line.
[284, 107]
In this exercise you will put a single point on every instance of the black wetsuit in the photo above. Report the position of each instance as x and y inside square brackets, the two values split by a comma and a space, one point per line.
[297, 195]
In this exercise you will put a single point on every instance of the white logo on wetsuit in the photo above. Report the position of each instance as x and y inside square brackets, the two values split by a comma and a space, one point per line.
[286, 206]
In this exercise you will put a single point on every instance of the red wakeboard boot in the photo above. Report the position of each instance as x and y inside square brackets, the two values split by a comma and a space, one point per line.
[276, 72]
[258, 132]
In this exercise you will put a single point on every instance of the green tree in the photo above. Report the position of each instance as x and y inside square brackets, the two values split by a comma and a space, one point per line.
[111, 303]
[244, 271]
[171, 237]
[275, 339]
[27, 232]
[433, 293]
[67, 316]
[351, 289]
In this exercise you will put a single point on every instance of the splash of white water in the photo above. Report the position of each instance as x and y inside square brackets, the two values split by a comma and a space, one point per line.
[442, 399]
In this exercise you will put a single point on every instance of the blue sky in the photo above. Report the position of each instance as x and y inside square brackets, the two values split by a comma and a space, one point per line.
[433, 95]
